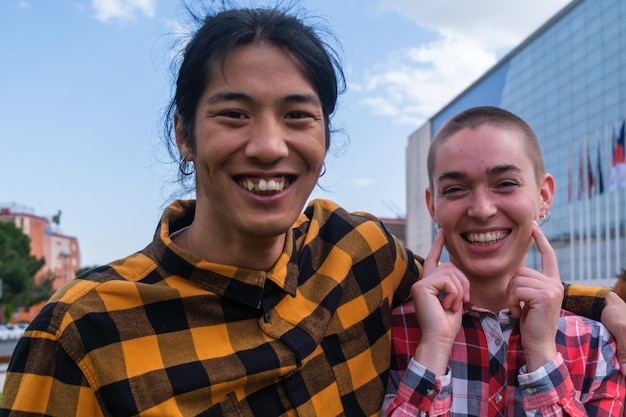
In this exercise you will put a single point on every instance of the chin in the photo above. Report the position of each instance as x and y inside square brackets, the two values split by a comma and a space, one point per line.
[270, 230]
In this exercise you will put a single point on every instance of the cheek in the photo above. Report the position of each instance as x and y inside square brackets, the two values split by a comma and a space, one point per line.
[446, 214]
[314, 153]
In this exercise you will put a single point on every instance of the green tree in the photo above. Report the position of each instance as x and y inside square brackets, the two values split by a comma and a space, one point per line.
[18, 268]
[84, 269]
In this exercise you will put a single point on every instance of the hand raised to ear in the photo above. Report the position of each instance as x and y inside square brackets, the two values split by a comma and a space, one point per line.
[438, 298]
[535, 297]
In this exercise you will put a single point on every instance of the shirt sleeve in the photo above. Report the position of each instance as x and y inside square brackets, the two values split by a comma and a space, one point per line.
[585, 300]
[417, 392]
[42, 380]
[549, 390]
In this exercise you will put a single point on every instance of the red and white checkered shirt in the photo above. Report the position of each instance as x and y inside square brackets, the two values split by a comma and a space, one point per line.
[487, 374]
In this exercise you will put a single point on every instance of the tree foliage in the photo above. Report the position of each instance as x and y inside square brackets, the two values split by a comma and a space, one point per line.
[84, 269]
[18, 268]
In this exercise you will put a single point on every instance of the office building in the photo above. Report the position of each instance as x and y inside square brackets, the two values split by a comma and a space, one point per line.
[568, 81]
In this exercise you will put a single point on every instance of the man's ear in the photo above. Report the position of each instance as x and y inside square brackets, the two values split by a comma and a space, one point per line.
[546, 193]
[430, 203]
[182, 141]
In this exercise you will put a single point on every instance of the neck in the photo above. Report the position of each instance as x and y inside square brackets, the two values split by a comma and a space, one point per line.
[252, 252]
[489, 293]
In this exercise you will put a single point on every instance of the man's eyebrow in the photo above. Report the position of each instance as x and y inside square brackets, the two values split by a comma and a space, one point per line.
[501, 169]
[302, 98]
[496, 170]
[237, 96]
[452, 175]
[228, 96]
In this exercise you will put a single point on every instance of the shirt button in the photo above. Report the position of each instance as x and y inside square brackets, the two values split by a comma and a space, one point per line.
[531, 391]
[498, 342]
[430, 392]
[498, 398]
[267, 317]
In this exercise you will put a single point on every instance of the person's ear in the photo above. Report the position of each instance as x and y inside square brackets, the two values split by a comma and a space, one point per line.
[430, 203]
[546, 193]
[182, 141]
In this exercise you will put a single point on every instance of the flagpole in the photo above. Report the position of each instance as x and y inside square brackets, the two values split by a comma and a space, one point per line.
[618, 252]
[607, 211]
[581, 233]
[572, 264]
[617, 233]
[622, 182]
[615, 174]
[598, 188]
[587, 197]
[570, 201]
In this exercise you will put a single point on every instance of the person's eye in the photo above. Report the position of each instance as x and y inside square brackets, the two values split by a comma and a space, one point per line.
[507, 185]
[232, 114]
[452, 190]
[296, 115]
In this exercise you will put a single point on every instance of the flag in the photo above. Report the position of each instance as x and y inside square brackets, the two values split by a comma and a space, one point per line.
[581, 177]
[618, 164]
[590, 179]
[620, 157]
[600, 186]
[570, 181]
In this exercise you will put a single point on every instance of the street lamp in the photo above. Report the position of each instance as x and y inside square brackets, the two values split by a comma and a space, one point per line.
[65, 255]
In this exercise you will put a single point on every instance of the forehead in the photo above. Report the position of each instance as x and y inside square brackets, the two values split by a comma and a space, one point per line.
[485, 146]
[249, 56]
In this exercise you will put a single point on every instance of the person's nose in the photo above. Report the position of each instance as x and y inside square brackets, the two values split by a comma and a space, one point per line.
[481, 205]
[268, 142]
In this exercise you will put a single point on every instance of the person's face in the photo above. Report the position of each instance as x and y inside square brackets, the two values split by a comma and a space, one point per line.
[485, 198]
[260, 143]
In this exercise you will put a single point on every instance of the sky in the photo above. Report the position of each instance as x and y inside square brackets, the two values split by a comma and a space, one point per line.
[84, 85]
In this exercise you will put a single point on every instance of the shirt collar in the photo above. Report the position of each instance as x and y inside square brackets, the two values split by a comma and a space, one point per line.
[243, 285]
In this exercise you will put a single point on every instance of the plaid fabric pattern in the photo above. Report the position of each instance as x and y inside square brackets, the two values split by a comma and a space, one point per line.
[487, 375]
[161, 333]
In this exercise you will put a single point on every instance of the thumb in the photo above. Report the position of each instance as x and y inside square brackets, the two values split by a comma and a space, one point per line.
[621, 358]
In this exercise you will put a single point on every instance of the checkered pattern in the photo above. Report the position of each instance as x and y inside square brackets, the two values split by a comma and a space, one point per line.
[487, 374]
[161, 333]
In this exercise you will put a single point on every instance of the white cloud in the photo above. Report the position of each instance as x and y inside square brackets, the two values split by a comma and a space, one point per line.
[491, 23]
[106, 10]
[471, 36]
[416, 82]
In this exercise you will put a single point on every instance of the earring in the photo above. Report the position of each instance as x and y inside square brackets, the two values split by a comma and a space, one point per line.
[545, 218]
[183, 166]
[323, 170]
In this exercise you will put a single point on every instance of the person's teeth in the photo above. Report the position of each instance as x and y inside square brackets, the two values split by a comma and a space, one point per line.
[248, 184]
[263, 185]
[485, 238]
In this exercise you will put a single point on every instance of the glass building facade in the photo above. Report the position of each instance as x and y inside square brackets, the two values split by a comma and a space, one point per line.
[568, 81]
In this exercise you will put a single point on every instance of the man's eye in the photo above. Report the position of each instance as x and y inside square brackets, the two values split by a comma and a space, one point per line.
[507, 184]
[298, 115]
[232, 114]
[451, 190]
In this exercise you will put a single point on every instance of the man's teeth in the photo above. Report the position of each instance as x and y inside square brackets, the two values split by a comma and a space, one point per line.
[263, 185]
[485, 238]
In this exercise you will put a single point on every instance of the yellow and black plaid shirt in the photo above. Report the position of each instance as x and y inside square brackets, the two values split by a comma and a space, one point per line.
[161, 333]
